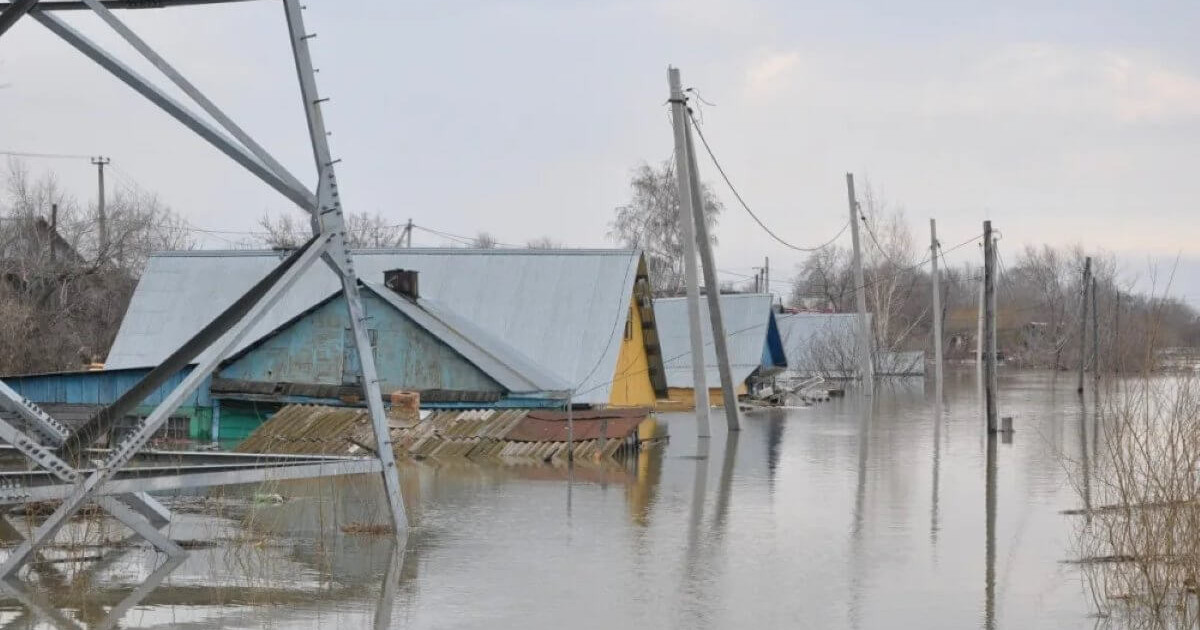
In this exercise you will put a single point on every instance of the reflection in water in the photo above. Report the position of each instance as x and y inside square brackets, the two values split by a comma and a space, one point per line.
[81, 595]
[857, 562]
[642, 491]
[775, 424]
[692, 567]
[989, 598]
[937, 469]
[699, 488]
[1085, 464]
[726, 485]
[828, 530]
[391, 583]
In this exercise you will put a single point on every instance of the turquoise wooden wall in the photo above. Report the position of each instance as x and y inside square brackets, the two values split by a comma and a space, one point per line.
[316, 349]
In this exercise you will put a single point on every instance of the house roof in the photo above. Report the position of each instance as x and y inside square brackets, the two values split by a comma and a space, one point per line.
[563, 310]
[820, 342]
[747, 318]
[505, 364]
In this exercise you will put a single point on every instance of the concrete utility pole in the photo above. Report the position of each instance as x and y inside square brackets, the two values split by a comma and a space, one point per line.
[102, 220]
[688, 227]
[1083, 316]
[979, 340]
[708, 265]
[989, 330]
[860, 295]
[767, 275]
[937, 309]
[1095, 334]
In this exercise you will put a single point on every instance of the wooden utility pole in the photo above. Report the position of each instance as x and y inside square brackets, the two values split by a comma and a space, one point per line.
[860, 295]
[937, 309]
[1083, 317]
[406, 238]
[989, 326]
[708, 265]
[101, 218]
[688, 227]
[1095, 334]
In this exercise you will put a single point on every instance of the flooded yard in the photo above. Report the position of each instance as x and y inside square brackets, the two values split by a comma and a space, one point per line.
[848, 514]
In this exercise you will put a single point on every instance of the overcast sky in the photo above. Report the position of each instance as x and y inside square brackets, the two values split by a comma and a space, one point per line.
[1062, 122]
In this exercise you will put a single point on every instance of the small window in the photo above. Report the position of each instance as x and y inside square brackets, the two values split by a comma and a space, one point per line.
[629, 325]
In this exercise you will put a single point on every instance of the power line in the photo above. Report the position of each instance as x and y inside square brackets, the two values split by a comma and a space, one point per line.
[50, 156]
[746, 207]
[756, 326]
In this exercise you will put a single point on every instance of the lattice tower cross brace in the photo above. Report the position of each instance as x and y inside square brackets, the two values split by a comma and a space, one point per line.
[328, 219]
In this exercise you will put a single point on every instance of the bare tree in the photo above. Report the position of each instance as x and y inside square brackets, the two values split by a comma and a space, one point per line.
[650, 222]
[64, 290]
[363, 230]
[544, 242]
[483, 240]
[824, 281]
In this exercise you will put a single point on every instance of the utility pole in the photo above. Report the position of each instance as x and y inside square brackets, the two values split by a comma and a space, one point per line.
[1083, 316]
[53, 230]
[406, 238]
[708, 265]
[937, 309]
[102, 220]
[860, 295]
[688, 227]
[979, 340]
[767, 276]
[1095, 334]
[989, 317]
[1116, 360]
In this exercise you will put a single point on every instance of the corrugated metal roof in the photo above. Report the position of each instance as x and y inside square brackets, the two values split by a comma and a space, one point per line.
[747, 320]
[820, 342]
[508, 366]
[563, 309]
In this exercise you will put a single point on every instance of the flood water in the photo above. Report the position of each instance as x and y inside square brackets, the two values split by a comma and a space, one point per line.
[848, 514]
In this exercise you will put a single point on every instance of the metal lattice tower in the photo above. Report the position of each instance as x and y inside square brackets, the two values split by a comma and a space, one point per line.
[62, 455]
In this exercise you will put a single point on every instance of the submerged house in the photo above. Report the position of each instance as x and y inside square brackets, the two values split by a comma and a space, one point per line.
[821, 344]
[466, 328]
[826, 344]
[756, 349]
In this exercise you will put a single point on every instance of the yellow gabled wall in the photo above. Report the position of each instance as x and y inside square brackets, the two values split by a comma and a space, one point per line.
[684, 398]
[631, 383]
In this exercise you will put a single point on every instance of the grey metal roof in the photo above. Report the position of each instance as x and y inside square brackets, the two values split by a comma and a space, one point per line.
[508, 366]
[747, 319]
[563, 309]
[820, 342]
